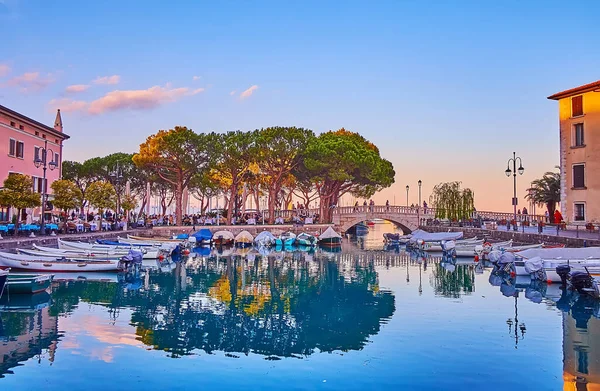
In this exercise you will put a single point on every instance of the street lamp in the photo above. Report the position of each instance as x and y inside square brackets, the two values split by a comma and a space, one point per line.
[420, 183]
[41, 162]
[419, 204]
[514, 171]
[117, 176]
[407, 187]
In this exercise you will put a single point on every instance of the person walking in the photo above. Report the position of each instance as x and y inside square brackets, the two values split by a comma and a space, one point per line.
[387, 205]
[558, 218]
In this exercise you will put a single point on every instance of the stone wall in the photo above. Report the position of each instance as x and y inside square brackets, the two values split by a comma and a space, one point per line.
[313, 229]
[517, 237]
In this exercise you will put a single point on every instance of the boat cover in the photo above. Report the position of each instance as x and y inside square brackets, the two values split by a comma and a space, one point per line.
[329, 234]
[203, 234]
[561, 253]
[434, 236]
[265, 237]
[224, 234]
[244, 237]
[534, 264]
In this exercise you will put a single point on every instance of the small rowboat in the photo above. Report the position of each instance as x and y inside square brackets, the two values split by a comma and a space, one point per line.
[244, 239]
[27, 283]
[286, 239]
[223, 238]
[305, 239]
[27, 262]
[150, 251]
[330, 238]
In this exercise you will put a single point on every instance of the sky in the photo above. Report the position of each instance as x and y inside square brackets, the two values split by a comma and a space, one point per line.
[446, 89]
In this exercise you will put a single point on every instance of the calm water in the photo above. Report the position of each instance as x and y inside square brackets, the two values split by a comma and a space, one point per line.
[361, 319]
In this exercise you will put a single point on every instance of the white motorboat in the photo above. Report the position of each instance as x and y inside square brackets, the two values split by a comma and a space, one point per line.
[579, 259]
[170, 244]
[56, 264]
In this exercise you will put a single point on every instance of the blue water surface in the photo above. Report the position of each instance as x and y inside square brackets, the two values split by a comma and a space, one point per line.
[362, 319]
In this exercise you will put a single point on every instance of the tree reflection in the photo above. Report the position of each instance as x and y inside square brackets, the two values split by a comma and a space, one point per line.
[450, 280]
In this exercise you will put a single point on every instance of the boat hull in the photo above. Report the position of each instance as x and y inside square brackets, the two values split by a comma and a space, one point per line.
[27, 284]
[23, 263]
[3, 277]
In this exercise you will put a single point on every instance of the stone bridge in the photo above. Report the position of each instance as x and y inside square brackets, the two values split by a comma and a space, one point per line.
[406, 217]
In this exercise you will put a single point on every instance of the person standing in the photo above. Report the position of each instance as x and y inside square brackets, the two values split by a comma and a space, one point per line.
[387, 205]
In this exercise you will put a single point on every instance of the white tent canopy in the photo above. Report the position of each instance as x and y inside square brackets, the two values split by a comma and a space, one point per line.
[329, 234]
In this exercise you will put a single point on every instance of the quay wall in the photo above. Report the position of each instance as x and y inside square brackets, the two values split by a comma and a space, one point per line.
[9, 242]
[517, 237]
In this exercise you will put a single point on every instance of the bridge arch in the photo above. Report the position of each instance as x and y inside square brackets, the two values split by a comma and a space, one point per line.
[406, 225]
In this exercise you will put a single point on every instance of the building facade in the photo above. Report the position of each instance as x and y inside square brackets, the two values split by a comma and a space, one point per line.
[579, 122]
[22, 141]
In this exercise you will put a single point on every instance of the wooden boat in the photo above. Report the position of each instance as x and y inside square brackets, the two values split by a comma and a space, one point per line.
[28, 262]
[515, 249]
[305, 239]
[330, 238]
[223, 238]
[244, 239]
[27, 283]
[153, 239]
[149, 252]
[202, 237]
[3, 277]
[286, 239]
[170, 243]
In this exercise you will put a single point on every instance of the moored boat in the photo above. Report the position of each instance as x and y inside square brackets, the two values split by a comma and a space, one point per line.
[265, 239]
[305, 239]
[579, 259]
[330, 238]
[56, 264]
[3, 277]
[223, 238]
[27, 283]
[66, 248]
[202, 237]
[244, 239]
[286, 239]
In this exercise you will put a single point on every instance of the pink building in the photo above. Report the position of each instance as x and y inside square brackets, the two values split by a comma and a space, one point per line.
[22, 140]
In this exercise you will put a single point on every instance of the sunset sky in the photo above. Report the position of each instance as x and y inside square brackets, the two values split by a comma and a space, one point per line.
[446, 89]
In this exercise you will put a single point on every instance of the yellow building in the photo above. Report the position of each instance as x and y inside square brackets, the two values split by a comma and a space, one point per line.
[579, 118]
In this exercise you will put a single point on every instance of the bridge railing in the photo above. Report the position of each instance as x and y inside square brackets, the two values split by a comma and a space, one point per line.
[383, 209]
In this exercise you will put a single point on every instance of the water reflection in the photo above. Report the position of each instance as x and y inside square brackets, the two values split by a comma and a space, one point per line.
[283, 304]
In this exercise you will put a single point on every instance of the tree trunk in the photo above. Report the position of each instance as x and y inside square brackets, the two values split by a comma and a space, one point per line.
[178, 200]
[272, 200]
[551, 208]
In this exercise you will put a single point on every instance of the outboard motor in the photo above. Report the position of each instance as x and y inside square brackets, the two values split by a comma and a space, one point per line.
[584, 283]
[133, 257]
[563, 272]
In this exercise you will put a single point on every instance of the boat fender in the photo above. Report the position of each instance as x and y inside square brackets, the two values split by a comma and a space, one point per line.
[476, 258]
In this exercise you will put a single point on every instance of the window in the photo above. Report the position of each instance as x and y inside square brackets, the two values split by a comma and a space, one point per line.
[12, 123]
[578, 130]
[577, 106]
[43, 136]
[579, 212]
[56, 158]
[20, 147]
[12, 147]
[36, 154]
[37, 133]
[578, 176]
[38, 184]
[21, 127]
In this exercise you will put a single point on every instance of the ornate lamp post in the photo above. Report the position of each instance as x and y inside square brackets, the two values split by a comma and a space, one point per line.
[117, 176]
[419, 204]
[514, 171]
[407, 188]
[420, 183]
[42, 162]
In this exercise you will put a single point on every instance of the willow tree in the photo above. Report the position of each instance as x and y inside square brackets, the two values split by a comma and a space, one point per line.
[281, 151]
[18, 193]
[345, 162]
[176, 155]
[545, 191]
[452, 202]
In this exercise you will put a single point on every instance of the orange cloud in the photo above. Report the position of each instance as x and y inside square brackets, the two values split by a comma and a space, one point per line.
[111, 80]
[77, 88]
[4, 70]
[139, 99]
[31, 81]
[66, 105]
[248, 92]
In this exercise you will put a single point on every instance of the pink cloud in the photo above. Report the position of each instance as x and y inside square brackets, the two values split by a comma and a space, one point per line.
[232, 93]
[196, 78]
[111, 80]
[139, 99]
[4, 70]
[66, 105]
[31, 81]
[248, 93]
[75, 88]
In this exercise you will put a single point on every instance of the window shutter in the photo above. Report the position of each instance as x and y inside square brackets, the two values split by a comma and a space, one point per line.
[577, 105]
[579, 176]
